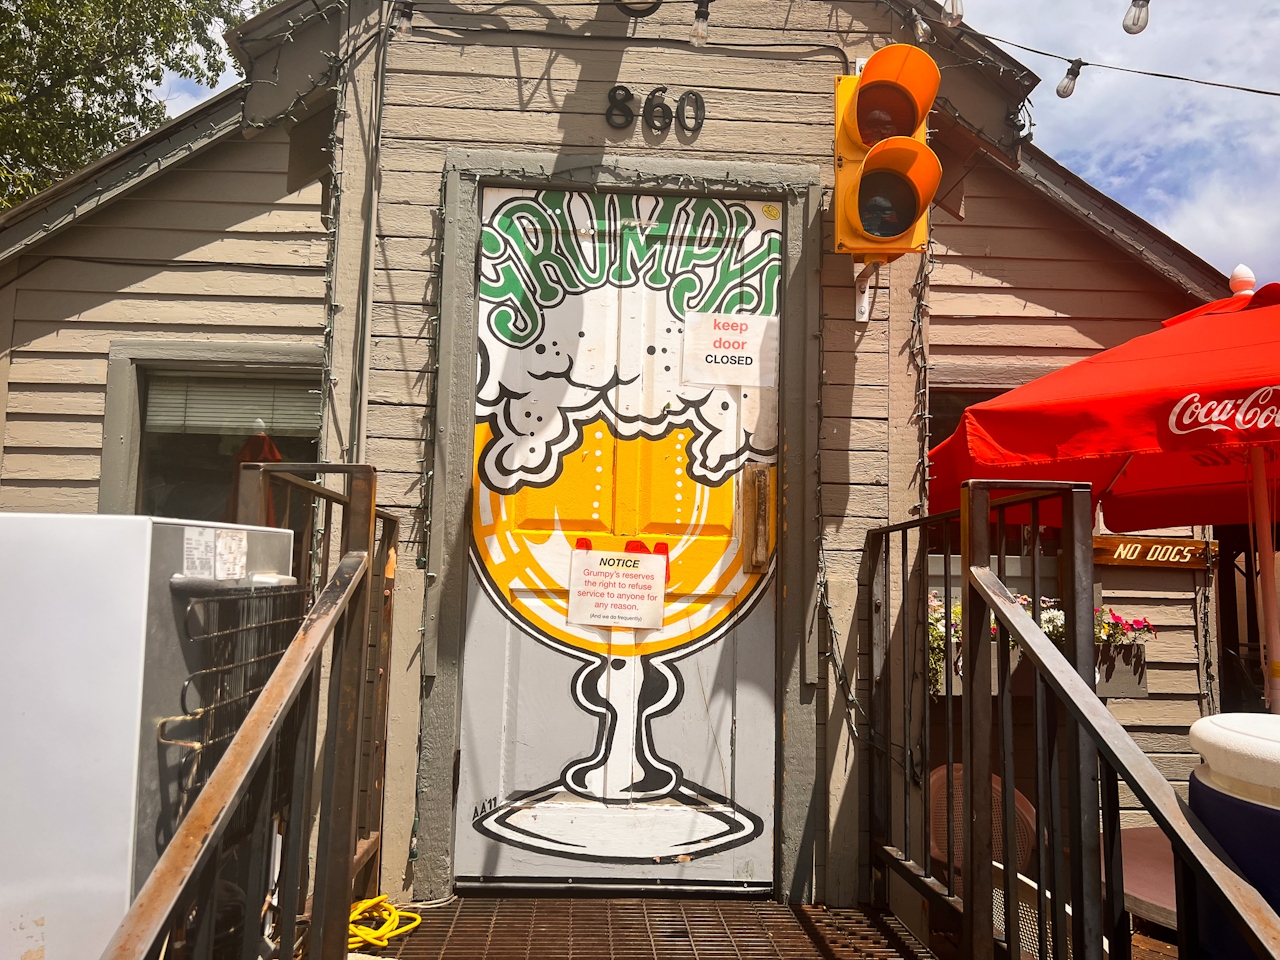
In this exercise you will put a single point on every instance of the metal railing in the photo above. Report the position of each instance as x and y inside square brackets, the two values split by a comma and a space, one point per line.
[943, 722]
[234, 881]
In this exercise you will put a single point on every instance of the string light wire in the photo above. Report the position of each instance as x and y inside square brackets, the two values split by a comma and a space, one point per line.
[969, 31]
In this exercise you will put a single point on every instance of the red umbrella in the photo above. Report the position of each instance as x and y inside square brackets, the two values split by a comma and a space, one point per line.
[1181, 426]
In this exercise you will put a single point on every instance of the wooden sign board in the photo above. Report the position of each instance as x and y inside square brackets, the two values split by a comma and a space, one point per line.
[1170, 552]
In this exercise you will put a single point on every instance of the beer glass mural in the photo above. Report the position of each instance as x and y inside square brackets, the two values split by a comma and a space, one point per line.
[613, 331]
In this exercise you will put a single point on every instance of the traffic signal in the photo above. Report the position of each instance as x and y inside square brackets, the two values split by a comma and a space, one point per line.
[886, 175]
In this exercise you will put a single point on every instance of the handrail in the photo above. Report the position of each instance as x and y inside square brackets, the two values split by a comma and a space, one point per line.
[1254, 917]
[209, 816]
[942, 717]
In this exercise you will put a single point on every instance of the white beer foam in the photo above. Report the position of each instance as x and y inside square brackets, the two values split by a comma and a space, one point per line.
[540, 402]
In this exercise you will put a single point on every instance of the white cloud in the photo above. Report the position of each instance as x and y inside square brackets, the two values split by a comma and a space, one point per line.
[1196, 161]
[180, 94]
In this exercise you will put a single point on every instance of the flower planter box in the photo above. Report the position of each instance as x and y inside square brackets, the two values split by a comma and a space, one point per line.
[1120, 669]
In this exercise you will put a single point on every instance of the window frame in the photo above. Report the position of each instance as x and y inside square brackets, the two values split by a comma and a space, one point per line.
[128, 361]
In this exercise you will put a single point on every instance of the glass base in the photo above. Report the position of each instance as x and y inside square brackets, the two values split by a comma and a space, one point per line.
[690, 823]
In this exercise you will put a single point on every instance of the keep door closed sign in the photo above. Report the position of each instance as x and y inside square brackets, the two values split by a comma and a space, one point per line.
[730, 348]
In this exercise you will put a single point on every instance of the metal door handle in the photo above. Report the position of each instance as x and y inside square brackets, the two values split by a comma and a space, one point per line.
[755, 517]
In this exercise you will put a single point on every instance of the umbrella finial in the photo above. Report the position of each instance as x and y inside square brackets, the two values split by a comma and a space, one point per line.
[1243, 281]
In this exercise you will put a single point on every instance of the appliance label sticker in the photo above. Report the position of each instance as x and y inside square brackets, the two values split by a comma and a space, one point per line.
[231, 555]
[197, 552]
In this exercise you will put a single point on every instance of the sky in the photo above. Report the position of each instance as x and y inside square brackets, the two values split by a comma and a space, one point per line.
[1200, 163]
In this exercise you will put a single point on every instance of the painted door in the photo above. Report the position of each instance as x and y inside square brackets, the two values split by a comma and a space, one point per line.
[611, 755]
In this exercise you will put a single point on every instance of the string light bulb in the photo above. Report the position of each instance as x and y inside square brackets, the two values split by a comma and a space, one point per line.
[953, 12]
[1067, 86]
[921, 29]
[404, 22]
[701, 22]
[1137, 17]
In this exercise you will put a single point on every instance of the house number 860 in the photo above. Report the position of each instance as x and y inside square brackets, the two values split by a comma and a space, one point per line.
[690, 110]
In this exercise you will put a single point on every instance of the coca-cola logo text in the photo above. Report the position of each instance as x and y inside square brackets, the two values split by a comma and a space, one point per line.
[1254, 412]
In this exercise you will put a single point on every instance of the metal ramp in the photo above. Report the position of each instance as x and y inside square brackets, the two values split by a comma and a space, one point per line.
[475, 928]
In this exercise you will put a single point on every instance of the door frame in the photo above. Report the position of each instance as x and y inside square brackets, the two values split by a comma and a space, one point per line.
[800, 796]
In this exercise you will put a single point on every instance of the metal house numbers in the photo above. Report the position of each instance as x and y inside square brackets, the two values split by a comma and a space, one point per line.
[689, 113]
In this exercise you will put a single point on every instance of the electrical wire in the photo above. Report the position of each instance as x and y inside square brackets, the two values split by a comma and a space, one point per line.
[969, 31]
[1141, 73]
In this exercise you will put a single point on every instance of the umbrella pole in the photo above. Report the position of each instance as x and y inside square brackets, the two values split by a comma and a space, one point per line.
[1266, 576]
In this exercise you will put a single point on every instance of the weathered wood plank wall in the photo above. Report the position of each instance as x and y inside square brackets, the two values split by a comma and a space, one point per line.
[1020, 288]
[218, 249]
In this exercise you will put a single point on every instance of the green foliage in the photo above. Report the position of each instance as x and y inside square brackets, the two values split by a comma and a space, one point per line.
[79, 78]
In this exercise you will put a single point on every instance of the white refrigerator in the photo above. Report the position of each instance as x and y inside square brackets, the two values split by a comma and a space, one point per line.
[95, 648]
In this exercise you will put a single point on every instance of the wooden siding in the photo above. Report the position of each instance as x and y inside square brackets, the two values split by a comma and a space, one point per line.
[217, 249]
[1021, 288]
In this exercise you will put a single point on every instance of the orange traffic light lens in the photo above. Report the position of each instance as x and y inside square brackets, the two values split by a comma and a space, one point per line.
[887, 204]
[884, 111]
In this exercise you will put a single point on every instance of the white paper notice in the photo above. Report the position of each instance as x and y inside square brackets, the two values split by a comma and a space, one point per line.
[730, 348]
[617, 589]
[197, 552]
[232, 554]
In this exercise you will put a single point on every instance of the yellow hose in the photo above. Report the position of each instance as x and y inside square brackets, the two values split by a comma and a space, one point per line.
[366, 913]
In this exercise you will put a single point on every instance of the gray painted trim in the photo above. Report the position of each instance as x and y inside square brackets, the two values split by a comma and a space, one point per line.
[801, 815]
[130, 170]
[122, 418]
[465, 172]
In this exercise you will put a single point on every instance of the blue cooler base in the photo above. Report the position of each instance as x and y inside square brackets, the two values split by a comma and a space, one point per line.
[1250, 835]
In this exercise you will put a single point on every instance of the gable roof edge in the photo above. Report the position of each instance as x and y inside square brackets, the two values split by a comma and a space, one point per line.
[1120, 225]
[98, 184]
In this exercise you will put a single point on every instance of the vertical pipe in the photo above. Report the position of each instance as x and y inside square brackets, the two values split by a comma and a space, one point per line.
[1115, 919]
[908, 756]
[1186, 897]
[880, 786]
[337, 840]
[1266, 575]
[257, 888]
[1082, 753]
[926, 749]
[886, 712]
[975, 551]
[1043, 846]
[1057, 844]
[948, 660]
[1041, 753]
[293, 861]
[1009, 841]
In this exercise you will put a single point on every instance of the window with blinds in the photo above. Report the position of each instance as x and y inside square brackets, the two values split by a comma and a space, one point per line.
[225, 406]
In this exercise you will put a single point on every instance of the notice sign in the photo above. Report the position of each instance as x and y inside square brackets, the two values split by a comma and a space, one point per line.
[617, 589]
[730, 348]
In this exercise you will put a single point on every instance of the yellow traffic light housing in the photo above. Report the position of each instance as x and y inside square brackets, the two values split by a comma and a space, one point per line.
[886, 175]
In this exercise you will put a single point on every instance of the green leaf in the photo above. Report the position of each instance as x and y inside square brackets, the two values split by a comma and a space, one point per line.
[79, 79]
